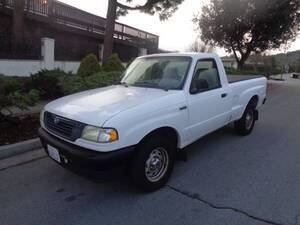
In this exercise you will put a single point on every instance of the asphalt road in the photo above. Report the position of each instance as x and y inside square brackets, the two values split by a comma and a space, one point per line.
[228, 179]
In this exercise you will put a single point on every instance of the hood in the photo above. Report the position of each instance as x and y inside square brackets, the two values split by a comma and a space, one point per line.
[96, 106]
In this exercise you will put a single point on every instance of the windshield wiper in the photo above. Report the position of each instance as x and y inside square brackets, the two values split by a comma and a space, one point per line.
[124, 84]
[146, 83]
[150, 85]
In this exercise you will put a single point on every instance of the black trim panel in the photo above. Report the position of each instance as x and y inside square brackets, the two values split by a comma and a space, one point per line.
[239, 78]
[83, 158]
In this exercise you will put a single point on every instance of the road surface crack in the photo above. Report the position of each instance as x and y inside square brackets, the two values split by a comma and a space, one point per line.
[212, 205]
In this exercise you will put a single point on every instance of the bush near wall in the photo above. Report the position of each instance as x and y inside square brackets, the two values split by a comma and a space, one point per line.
[74, 84]
[13, 94]
[47, 82]
[89, 66]
[22, 92]
[113, 63]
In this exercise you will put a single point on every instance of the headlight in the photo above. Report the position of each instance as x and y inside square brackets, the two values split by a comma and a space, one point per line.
[102, 135]
[42, 117]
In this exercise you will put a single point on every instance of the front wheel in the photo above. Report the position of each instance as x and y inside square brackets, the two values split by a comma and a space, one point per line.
[245, 125]
[153, 164]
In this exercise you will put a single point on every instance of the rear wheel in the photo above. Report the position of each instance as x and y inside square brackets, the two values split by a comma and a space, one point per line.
[153, 164]
[245, 125]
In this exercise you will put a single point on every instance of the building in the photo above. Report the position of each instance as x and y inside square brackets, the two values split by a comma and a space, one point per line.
[37, 34]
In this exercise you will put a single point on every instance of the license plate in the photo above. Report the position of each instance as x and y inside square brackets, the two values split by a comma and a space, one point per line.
[53, 153]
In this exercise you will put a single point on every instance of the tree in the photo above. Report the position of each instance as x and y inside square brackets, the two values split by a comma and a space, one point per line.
[247, 26]
[164, 8]
[199, 46]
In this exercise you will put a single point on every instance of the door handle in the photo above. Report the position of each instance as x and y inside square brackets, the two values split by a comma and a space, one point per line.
[224, 95]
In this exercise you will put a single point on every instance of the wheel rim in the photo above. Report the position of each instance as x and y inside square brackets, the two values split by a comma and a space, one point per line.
[249, 120]
[157, 164]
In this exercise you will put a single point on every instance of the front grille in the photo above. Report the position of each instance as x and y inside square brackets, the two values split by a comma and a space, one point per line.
[63, 127]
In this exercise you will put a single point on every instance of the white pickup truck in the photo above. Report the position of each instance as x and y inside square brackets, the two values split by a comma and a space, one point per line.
[163, 103]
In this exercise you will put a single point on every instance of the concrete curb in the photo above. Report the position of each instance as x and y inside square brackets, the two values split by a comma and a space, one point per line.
[7, 151]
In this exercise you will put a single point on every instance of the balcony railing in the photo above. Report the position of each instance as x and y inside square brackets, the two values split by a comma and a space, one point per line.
[70, 16]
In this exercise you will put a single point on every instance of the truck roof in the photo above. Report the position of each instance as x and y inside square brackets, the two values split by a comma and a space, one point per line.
[190, 54]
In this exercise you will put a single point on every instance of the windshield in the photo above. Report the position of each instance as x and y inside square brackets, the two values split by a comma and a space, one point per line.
[158, 72]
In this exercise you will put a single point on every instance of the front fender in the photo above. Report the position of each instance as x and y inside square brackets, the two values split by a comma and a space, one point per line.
[134, 124]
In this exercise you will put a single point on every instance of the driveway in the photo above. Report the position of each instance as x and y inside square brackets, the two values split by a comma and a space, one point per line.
[228, 179]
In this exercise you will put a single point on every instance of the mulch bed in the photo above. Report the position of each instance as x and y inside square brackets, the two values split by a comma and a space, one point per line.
[19, 129]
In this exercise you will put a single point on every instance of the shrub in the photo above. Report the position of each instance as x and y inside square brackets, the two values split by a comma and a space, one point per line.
[113, 63]
[12, 95]
[12, 84]
[73, 84]
[76, 83]
[103, 79]
[89, 66]
[48, 82]
[23, 100]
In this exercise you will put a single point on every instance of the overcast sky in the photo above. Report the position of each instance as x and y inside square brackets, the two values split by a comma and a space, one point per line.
[175, 34]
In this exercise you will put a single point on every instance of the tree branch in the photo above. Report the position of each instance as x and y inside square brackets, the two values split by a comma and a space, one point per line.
[234, 52]
[137, 7]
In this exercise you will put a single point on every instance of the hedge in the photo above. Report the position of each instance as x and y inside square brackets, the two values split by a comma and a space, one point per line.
[89, 65]
[13, 94]
[74, 84]
[113, 63]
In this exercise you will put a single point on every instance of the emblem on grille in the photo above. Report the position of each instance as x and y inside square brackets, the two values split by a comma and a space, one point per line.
[56, 120]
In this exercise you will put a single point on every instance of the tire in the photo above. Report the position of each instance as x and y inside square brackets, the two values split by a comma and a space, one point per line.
[245, 125]
[155, 155]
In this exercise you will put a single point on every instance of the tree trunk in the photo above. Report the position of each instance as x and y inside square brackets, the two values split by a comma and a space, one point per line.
[243, 59]
[241, 62]
[18, 25]
[240, 65]
[110, 28]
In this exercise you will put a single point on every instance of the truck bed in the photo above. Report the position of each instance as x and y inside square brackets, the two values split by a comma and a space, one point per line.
[238, 78]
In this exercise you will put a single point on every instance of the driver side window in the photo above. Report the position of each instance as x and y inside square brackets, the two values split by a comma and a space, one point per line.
[206, 76]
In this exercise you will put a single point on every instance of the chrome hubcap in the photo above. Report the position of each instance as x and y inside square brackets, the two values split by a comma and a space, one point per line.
[249, 119]
[156, 164]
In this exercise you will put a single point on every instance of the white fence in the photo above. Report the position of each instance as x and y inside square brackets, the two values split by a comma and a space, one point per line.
[20, 67]
[24, 68]
[27, 67]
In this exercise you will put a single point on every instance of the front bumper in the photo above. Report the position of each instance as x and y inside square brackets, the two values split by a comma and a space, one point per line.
[85, 159]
